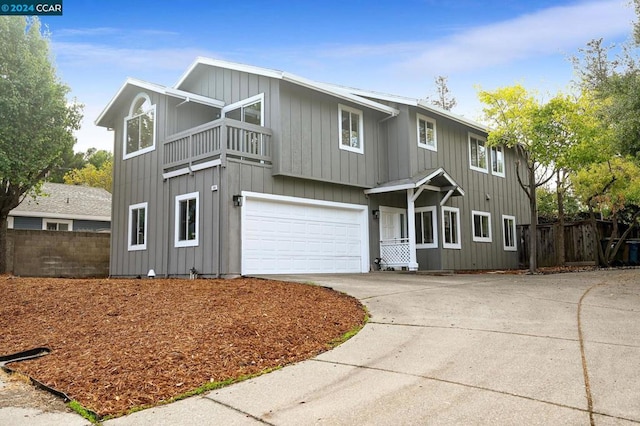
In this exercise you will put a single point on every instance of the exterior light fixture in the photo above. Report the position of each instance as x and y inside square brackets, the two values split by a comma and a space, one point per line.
[237, 200]
[376, 213]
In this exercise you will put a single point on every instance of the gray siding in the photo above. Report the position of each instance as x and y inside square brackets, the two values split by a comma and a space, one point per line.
[27, 222]
[91, 225]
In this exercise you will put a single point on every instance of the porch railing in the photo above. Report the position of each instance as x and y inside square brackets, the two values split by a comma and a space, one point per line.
[221, 138]
[395, 252]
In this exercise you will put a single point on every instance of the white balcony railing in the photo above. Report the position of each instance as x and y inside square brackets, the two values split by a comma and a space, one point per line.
[395, 253]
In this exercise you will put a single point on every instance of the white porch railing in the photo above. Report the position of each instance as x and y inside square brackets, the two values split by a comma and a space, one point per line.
[395, 252]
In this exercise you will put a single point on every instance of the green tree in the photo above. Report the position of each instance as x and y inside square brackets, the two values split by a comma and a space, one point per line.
[90, 175]
[36, 120]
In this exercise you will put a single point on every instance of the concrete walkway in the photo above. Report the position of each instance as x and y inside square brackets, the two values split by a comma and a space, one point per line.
[465, 349]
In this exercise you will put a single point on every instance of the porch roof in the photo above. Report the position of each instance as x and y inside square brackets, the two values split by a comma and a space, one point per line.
[433, 179]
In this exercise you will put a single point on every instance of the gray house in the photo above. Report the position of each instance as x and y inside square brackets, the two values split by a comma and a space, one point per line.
[244, 170]
[62, 207]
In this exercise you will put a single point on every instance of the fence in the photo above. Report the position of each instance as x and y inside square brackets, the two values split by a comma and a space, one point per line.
[35, 253]
[579, 243]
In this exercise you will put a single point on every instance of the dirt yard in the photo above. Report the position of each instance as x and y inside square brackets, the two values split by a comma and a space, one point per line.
[119, 344]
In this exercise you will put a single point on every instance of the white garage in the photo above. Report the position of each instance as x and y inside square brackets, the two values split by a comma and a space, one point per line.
[291, 235]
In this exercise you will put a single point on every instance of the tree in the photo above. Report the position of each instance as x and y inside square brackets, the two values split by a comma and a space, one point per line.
[36, 121]
[443, 99]
[90, 175]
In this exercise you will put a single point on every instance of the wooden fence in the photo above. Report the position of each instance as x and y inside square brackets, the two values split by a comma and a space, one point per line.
[579, 243]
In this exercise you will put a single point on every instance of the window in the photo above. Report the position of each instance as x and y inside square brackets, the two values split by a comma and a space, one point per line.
[478, 153]
[248, 110]
[139, 127]
[350, 131]
[451, 228]
[427, 133]
[426, 234]
[481, 225]
[57, 225]
[138, 227]
[509, 233]
[187, 220]
[497, 161]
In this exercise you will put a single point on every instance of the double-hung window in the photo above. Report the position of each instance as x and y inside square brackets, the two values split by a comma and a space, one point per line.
[451, 228]
[138, 226]
[350, 130]
[426, 228]
[427, 133]
[497, 161]
[139, 127]
[478, 153]
[509, 233]
[187, 220]
[481, 225]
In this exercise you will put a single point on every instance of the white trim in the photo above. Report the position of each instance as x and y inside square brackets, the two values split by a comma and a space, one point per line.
[422, 182]
[193, 168]
[513, 229]
[46, 221]
[501, 149]
[364, 217]
[10, 222]
[178, 200]
[143, 246]
[446, 245]
[487, 155]
[360, 149]
[20, 213]
[131, 116]
[434, 226]
[426, 119]
[244, 103]
[476, 238]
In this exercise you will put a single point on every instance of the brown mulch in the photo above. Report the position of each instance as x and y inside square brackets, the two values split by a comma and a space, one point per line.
[117, 344]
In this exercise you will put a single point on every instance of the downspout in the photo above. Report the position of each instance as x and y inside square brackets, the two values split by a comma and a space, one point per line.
[168, 245]
[222, 192]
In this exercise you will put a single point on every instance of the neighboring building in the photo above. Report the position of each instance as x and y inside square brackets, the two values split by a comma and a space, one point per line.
[62, 207]
[244, 170]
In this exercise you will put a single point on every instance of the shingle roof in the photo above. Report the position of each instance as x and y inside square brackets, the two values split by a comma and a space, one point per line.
[67, 201]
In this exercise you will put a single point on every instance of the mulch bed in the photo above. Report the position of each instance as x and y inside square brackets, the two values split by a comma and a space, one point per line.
[118, 344]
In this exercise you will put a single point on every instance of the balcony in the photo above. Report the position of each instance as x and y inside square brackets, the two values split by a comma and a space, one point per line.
[220, 139]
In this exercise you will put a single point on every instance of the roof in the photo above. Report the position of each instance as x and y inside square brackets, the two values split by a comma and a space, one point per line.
[157, 88]
[433, 179]
[285, 76]
[67, 202]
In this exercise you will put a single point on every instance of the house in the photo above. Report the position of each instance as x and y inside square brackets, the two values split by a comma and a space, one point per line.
[238, 169]
[62, 207]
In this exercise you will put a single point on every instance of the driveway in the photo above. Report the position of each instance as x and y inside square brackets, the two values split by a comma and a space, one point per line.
[465, 349]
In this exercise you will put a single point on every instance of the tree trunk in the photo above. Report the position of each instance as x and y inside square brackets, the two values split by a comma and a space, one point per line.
[3, 244]
[533, 225]
[560, 239]
[596, 237]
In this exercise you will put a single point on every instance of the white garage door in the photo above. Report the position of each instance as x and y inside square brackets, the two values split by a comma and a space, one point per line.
[284, 235]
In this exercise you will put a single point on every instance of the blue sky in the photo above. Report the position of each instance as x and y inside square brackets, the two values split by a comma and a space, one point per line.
[396, 47]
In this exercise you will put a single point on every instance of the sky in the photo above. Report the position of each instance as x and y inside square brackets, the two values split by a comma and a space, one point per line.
[397, 47]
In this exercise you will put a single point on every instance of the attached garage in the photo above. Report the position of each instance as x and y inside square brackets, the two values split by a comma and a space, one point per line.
[286, 235]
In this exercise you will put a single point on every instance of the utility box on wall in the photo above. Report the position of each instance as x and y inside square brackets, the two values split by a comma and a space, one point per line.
[34, 253]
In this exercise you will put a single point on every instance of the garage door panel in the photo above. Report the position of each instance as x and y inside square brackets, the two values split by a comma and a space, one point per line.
[294, 236]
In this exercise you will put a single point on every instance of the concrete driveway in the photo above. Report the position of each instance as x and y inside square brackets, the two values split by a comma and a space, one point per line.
[466, 349]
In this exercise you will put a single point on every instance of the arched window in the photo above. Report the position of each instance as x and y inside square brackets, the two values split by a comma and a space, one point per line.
[139, 127]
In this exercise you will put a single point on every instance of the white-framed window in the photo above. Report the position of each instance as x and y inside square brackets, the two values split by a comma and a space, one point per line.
[248, 110]
[140, 127]
[350, 129]
[57, 225]
[451, 228]
[138, 226]
[187, 220]
[481, 226]
[426, 227]
[427, 136]
[497, 161]
[509, 233]
[478, 153]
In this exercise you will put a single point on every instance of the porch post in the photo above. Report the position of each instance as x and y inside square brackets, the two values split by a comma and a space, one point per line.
[411, 221]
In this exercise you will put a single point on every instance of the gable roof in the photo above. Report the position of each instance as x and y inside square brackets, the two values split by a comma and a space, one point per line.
[292, 78]
[67, 202]
[435, 178]
[135, 84]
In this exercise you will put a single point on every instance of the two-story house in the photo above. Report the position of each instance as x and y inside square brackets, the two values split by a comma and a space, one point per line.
[245, 170]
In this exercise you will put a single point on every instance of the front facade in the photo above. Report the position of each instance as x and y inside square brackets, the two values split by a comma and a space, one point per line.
[239, 170]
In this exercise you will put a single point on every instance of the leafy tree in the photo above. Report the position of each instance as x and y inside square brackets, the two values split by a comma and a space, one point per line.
[90, 175]
[70, 160]
[443, 98]
[36, 121]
